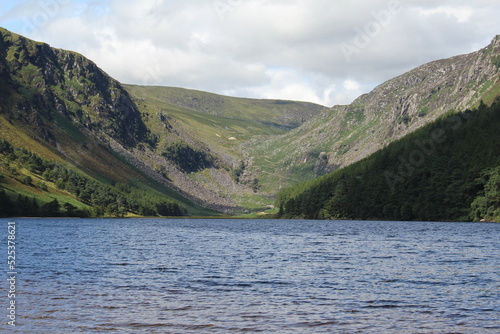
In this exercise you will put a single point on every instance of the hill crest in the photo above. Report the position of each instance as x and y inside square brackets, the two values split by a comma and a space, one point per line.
[224, 153]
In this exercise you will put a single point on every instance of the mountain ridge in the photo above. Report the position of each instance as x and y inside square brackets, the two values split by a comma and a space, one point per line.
[391, 110]
[72, 107]
[224, 153]
[226, 106]
[447, 170]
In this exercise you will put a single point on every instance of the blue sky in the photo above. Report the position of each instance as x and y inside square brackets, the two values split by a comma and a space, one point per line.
[323, 51]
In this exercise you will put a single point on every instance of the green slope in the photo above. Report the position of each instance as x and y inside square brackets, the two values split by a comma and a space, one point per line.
[346, 134]
[446, 171]
[221, 123]
[64, 109]
[254, 115]
[220, 126]
[207, 152]
[90, 160]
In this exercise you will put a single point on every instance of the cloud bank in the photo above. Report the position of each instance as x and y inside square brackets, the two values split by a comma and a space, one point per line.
[328, 52]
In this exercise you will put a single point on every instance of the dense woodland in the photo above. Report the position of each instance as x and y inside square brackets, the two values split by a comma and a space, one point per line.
[448, 170]
[101, 199]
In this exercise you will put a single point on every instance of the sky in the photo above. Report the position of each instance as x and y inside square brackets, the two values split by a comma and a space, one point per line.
[323, 51]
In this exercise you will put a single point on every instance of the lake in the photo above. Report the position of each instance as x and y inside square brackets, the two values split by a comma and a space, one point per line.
[269, 276]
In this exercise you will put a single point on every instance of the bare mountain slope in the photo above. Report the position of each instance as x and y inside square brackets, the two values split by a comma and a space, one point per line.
[346, 134]
[182, 140]
[223, 153]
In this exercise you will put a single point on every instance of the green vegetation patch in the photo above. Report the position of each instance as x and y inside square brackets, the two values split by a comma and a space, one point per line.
[188, 159]
[496, 61]
[448, 170]
[115, 200]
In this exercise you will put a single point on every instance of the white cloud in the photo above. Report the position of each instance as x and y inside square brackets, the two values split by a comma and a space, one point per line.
[462, 13]
[350, 85]
[258, 48]
[287, 84]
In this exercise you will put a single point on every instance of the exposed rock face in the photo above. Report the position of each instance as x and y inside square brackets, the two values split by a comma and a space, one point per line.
[395, 108]
[46, 86]
[49, 80]
[409, 101]
[51, 91]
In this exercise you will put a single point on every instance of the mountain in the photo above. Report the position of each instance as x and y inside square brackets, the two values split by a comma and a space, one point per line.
[60, 114]
[448, 170]
[346, 134]
[261, 116]
[217, 126]
[184, 144]
[66, 128]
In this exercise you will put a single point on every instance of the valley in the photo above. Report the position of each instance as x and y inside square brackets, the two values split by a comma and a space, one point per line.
[209, 153]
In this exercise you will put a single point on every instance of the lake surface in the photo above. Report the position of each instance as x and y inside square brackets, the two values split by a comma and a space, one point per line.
[269, 276]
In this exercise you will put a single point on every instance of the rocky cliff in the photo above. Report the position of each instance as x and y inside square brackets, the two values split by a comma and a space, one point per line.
[43, 82]
[187, 141]
[224, 153]
[346, 134]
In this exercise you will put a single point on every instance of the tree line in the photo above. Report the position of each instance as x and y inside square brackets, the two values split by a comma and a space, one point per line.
[115, 200]
[448, 170]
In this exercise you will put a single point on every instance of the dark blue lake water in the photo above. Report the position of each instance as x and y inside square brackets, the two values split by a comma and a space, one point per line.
[269, 276]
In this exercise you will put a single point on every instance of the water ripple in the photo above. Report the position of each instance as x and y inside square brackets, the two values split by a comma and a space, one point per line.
[239, 276]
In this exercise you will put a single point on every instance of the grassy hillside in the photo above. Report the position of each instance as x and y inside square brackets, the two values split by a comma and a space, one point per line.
[63, 109]
[219, 126]
[99, 170]
[448, 170]
[219, 122]
[204, 152]
[346, 134]
[261, 116]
